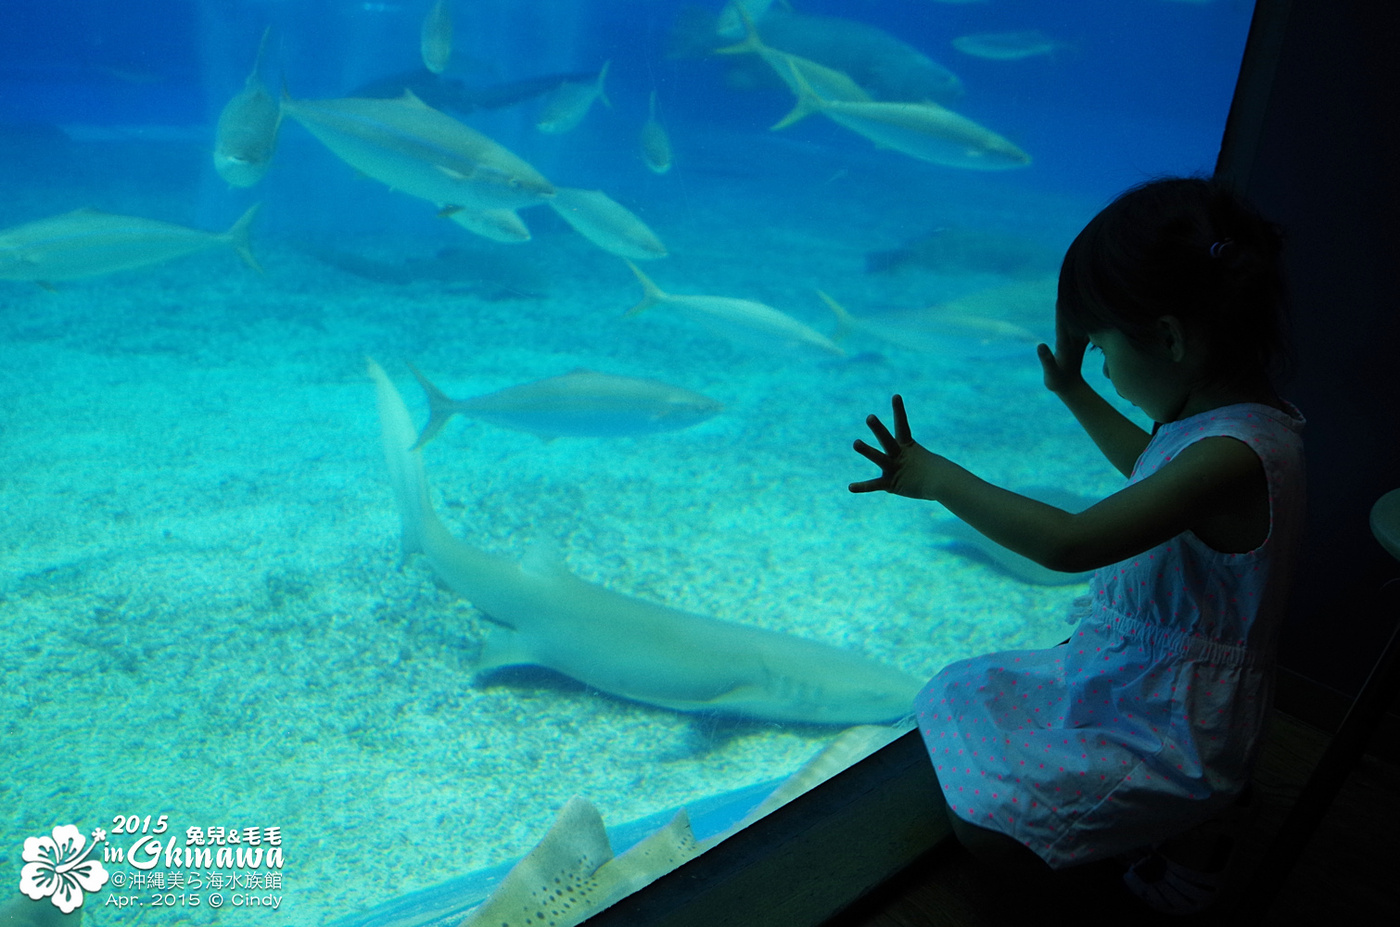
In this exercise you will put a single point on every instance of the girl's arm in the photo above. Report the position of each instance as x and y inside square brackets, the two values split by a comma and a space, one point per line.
[1207, 478]
[1120, 440]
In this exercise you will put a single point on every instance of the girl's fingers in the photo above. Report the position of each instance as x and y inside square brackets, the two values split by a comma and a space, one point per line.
[882, 433]
[867, 486]
[870, 454]
[901, 421]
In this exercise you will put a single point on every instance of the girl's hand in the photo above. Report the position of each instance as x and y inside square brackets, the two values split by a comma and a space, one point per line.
[908, 468]
[1062, 367]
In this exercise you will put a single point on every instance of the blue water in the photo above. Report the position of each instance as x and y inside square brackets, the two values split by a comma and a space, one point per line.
[202, 610]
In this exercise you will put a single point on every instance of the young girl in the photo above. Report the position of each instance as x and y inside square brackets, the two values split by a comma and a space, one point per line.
[1146, 722]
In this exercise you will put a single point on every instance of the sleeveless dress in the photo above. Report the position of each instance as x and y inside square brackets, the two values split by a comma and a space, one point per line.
[1147, 721]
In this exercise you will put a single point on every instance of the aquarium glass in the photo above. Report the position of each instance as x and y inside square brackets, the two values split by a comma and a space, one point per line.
[232, 620]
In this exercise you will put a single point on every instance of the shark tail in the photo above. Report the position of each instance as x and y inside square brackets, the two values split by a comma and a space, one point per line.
[405, 465]
[441, 407]
[651, 293]
[237, 237]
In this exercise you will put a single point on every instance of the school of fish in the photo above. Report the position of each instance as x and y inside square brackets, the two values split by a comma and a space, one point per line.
[407, 132]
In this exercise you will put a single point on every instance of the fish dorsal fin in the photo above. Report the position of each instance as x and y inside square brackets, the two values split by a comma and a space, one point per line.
[650, 858]
[411, 99]
[558, 874]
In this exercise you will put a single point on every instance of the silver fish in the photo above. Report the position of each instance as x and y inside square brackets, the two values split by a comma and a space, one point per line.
[413, 148]
[503, 225]
[435, 37]
[1007, 46]
[570, 102]
[734, 318]
[580, 404]
[925, 131]
[86, 243]
[953, 327]
[656, 144]
[606, 223]
[246, 136]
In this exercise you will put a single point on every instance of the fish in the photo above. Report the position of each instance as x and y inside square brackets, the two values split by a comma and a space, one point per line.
[606, 223]
[656, 144]
[945, 328]
[925, 131]
[246, 136]
[887, 67]
[435, 37]
[484, 272]
[827, 83]
[1007, 46]
[423, 152]
[735, 318]
[570, 102]
[503, 225]
[579, 404]
[453, 95]
[87, 243]
[983, 548]
[730, 24]
[624, 646]
[955, 250]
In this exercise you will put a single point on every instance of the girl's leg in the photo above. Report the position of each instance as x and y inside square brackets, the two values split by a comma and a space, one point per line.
[995, 849]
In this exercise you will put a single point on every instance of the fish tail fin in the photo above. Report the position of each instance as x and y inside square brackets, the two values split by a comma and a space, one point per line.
[237, 237]
[441, 407]
[262, 53]
[750, 43]
[651, 293]
[405, 465]
[845, 324]
[602, 76]
[651, 107]
[807, 100]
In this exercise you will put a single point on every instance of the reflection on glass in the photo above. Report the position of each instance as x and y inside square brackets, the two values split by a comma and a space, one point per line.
[637, 576]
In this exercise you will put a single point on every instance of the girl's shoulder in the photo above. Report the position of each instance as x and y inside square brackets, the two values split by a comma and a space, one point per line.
[1236, 418]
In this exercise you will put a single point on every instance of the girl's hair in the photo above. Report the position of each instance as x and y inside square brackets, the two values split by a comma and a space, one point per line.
[1184, 247]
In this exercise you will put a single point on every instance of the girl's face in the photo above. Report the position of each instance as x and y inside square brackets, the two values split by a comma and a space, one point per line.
[1145, 376]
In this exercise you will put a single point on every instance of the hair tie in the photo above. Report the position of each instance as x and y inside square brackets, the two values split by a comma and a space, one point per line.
[1217, 250]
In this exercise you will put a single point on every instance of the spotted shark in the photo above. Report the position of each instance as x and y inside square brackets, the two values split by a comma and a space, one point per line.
[624, 646]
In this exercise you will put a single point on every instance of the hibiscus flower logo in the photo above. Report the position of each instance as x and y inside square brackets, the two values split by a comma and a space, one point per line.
[57, 867]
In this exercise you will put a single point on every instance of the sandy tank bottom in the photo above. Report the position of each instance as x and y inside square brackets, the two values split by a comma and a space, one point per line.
[201, 609]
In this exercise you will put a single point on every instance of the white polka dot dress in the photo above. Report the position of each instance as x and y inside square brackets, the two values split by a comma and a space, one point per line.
[1148, 720]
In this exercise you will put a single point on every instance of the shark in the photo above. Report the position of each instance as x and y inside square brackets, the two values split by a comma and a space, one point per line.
[624, 646]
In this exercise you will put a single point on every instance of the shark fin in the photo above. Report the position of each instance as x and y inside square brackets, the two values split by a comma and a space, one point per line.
[503, 647]
[557, 875]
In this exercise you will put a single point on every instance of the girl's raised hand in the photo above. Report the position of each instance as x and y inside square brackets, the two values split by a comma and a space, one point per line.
[907, 467]
[1062, 367]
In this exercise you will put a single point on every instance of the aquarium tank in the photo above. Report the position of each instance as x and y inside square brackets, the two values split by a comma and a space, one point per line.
[426, 424]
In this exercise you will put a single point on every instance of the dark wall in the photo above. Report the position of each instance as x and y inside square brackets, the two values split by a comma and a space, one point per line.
[1314, 141]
